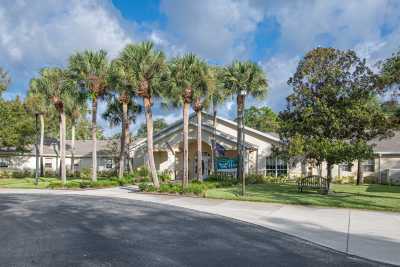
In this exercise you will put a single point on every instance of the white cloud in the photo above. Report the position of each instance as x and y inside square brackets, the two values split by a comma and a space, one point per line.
[217, 30]
[34, 35]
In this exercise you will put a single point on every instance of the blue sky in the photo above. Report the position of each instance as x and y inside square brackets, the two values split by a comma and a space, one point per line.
[276, 34]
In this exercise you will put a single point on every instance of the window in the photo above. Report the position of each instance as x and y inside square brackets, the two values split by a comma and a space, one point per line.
[346, 167]
[109, 164]
[275, 166]
[48, 164]
[369, 165]
[4, 163]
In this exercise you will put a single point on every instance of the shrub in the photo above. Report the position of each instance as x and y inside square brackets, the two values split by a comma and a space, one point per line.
[55, 184]
[255, 179]
[165, 176]
[5, 174]
[104, 183]
[73, 184]
[107, 174]
[370, 179]
[222, 180]
[147, 187]
[85, 174]
[345, 180]
[22, 174]
[85, 184]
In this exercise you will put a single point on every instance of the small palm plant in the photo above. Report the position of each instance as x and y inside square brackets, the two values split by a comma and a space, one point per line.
[240, 79]
[188, 81]
[56, 85]
[4, 80]
[90, 69]
[147, 68]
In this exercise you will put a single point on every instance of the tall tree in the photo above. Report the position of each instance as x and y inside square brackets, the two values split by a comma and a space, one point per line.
[241, 79]
[115, 115]
[36, 103]
[216, 96]
[189, 78]
[328, 87]
[147, 67]
[56, 86]
[123, 83]
[4, 80]
[262, 119]
[17, 126]
[75, 110]
[91, 69]
[158, 125]
[389, 77]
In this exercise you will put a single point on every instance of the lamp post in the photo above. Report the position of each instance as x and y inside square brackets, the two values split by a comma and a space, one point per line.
[240, 137]
[37, 149]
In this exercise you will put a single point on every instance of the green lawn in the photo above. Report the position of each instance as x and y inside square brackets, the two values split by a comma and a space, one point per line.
[23, 183]
[373, 197]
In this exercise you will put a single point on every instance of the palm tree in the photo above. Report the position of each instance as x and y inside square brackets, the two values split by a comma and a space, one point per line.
[241, 79]
[55, 85]
[75, 109]
[216, 96]
[116, 114]
[91, 69]
[189, 80]
[147, 67]
[36, 104]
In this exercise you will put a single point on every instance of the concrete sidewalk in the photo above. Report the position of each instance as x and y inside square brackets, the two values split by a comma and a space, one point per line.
[369, 234]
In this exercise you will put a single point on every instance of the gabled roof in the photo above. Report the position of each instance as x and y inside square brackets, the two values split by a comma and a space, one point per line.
[390, 145]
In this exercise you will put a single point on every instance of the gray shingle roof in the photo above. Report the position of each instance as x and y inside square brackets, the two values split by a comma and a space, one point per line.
[387, 145]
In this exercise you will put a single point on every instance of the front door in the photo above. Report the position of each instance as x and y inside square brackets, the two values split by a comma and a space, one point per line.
[205, 165]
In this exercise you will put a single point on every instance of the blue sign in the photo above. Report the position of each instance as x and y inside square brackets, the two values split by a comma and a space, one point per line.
[226, 164]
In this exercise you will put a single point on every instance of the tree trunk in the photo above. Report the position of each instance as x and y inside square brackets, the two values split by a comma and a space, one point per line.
[329, 174]
[149, 125]
[185, 178]
[62, 148]
[128, 144]
[73, 149]
[199, 149]
[214, 134]
[122, 154]
[94, 140]
[359, 172]
[240, 141]
[41, 146]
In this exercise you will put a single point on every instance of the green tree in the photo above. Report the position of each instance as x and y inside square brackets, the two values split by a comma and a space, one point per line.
[147, 66]
[123, 83]
[115, 115]
[56, 86]
[262, 119]
[323, 114]
[158, 125]
[241, 79]
[17, 125]
[90, 69]
[75, 108]
[389, 77]
[4, 80]
[188, 82]
[37, 104]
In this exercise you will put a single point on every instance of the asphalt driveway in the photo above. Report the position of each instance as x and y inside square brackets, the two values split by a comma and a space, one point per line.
[44, 230]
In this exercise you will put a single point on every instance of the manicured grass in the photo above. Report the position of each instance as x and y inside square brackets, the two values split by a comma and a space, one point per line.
[373, 197]
[24, 183]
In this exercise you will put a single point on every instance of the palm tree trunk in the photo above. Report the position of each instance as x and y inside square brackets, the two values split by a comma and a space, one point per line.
[185, 178]
[199, 148]
[73, 149]
[62, 148]
[128, 144]
[240, 141]
[149, 125]
[41, 146]
[214, 136]
[123, 140]
[94, 140]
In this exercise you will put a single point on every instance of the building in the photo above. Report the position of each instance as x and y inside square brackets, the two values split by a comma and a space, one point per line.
[168, 154]
[106, 154]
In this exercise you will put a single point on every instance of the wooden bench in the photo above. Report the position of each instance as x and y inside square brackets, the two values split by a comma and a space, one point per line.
[313, 182]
